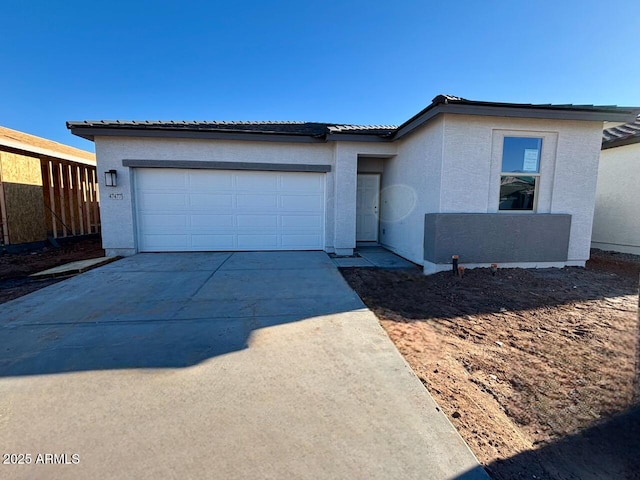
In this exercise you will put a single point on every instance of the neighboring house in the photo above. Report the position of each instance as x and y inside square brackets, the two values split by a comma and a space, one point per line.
[616, 222]
[46, 189]
[503, 183]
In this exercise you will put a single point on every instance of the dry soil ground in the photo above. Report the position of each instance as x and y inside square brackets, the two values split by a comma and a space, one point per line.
[535, 368]
[16, 268]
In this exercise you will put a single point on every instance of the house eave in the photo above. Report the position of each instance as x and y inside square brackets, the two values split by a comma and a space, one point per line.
[91, 132]
[513, 112]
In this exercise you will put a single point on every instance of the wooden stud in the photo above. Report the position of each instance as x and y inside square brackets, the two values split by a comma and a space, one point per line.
[96, 212]
[72, 207]
[87, 198]
[63, 209]
[4, 226]
[79, 197]
[52, 200]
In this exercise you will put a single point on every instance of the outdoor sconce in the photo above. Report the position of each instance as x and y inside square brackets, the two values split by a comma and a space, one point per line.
[111, 178]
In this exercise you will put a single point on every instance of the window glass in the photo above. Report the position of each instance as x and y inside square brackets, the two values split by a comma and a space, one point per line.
[516, 193]
[521, 155]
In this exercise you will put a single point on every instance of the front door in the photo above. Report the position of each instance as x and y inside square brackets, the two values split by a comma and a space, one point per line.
[367, 207]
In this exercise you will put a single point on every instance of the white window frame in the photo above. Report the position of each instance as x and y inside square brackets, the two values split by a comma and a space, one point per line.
[537, 175]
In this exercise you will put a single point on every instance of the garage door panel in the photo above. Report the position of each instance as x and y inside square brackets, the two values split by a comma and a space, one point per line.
[162, 201]
[204, 180]
[301, 202]
[257, 221]
[212, 242]
[209, 222]
[256, 181]
[159, 179]
[290, 241]
[199, 210]
[301, 221]
[207, 201]
[166, 242]
[264, 202]
[300, 182]
[163, 222]
[258, 241]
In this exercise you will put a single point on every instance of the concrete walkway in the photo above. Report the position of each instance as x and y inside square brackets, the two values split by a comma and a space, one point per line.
[214, 365]
[374, 256]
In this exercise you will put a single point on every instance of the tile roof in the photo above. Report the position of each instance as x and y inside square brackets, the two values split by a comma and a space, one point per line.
[452, 100]
[363, 129]
[318, 131]
[622, 134]
[31, 143]
[314, 129]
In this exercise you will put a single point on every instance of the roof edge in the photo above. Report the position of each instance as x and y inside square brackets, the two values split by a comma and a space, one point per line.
[620, 142]
[25, 147]
[456, 105]
[90, 133]
[439, 105]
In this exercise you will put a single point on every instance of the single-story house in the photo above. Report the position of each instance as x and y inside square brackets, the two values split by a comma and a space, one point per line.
[616, 222]
[503, 183]
[47, 189]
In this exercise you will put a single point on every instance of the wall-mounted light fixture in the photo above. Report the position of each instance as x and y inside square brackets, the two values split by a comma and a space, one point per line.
[111, 178]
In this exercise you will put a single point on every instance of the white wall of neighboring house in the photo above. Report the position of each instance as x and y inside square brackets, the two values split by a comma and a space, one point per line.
[472, 163]
[616, 222]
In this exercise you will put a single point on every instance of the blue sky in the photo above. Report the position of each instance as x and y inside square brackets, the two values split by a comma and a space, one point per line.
[364, 62]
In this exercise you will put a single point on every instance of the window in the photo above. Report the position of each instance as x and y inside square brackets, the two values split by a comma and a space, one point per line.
[520, 173]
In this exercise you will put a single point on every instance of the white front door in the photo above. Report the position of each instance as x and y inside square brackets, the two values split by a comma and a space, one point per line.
[208, 210]
[367, 207]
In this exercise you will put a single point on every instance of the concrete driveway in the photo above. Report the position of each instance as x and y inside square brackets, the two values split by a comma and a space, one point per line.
[214, 365]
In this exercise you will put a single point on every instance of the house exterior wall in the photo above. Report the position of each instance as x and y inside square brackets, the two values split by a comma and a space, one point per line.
[472, 156]
[451, 164]
[118, 215]
[616, 222]
[346, 162]
[410, 188]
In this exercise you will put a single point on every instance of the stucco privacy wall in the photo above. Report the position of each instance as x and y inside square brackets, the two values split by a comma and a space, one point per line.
[410, 188]
[118, 218]
[570, 149]
[616, 221]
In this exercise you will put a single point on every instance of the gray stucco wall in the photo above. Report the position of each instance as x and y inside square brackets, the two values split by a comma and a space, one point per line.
[496, 237]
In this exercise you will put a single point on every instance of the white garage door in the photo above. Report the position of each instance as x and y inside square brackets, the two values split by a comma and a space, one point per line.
[205, 210]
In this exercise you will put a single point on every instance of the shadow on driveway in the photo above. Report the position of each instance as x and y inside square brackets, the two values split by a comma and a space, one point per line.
[166, 310]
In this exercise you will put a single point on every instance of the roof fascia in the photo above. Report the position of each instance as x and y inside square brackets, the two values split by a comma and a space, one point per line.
[90, 133]
[213, 165]
[354, 137]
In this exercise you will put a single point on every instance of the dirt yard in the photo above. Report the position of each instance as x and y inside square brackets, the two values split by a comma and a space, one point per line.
[529, 365]
[16, 268]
